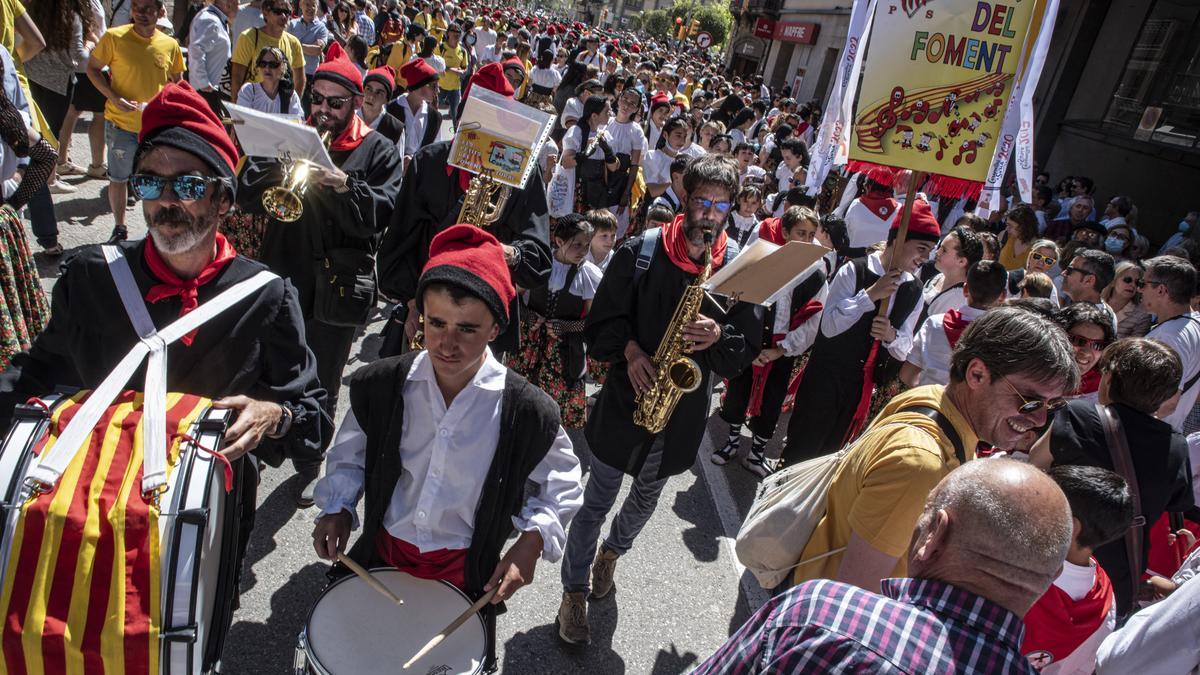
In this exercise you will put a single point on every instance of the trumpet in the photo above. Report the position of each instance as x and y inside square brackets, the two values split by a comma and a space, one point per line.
[285, 202]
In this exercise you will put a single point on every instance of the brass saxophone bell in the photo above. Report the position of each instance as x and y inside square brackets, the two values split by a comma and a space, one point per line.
[685, 374]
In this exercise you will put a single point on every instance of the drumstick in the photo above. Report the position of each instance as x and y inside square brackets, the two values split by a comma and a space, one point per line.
[454, 625]
[366, 576]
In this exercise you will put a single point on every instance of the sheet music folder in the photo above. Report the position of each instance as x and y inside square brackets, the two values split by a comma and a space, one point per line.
[764, 270]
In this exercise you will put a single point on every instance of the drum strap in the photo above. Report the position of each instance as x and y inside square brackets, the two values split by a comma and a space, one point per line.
[152, 343]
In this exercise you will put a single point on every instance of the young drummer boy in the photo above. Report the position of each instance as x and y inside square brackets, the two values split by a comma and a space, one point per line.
[443, 442]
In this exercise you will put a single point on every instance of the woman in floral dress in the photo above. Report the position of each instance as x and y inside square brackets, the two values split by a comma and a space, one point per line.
[23, 307]
[552, 354]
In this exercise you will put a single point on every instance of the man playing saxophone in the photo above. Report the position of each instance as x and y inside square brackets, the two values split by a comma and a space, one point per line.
[328, 252]
[637, 306]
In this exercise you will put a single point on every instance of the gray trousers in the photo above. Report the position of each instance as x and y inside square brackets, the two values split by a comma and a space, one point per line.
[598, 498]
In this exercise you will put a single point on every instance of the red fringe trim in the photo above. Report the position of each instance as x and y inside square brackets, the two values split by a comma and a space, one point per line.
[937, 184]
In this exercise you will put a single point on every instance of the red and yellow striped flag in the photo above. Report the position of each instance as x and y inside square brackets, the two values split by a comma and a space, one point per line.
[82, 585]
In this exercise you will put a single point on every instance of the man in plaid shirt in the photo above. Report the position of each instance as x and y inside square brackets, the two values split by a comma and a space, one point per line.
[993, 536]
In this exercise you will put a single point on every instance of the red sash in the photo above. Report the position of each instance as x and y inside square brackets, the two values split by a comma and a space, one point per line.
[1058, 625]
[759, 381]
[443, 564]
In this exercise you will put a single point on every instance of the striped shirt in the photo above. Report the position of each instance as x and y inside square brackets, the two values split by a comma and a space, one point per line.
[919, 626]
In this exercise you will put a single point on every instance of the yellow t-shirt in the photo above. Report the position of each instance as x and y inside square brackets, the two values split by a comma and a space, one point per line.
[251, 42]
[401, 54]
[10, 11]
[454, 58]
[881, 486]
[139, 67]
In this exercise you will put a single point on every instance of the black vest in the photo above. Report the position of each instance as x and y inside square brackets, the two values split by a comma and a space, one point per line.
[803, 292]
[562, 304]
[390, 127]
[848, 351]
[528, 426]
[433, 120]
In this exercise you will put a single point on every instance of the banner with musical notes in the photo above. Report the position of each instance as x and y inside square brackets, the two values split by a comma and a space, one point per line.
[936, 84]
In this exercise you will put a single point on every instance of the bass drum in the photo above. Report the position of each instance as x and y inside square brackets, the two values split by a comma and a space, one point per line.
[353, 629]
[197, 521]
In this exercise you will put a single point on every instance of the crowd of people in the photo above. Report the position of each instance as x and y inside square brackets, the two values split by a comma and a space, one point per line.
[1011, 394]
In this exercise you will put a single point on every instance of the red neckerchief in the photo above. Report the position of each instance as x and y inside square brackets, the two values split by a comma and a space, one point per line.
[1090, 383]
[954, 324]
[676, 245]
[187, 290]
[880, 204]
[771, 229]
[1059, 625]
[800, 129]
[352, 136]
[758, 383]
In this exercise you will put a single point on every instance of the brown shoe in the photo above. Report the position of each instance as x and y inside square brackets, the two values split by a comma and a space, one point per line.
[602, 573]
[572, 619]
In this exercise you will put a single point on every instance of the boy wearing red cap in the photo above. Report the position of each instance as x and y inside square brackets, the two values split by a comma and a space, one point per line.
[417, 109]
[430, 201]
[856, 347]
[444, 441]
[378, 86]
[252, 358]
[328, 253]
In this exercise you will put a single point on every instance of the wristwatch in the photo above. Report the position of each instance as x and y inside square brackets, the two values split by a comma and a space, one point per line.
[285, 423]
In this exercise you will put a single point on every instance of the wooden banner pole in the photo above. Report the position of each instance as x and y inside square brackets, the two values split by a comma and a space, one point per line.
[915, 178]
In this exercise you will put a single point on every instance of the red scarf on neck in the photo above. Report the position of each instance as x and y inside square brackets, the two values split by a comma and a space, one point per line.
[187, 289]
[1090, 383]
[351, 137]
[677, 250]
[881, 204]
[771, 229]
[1058, 625]
[954, 324]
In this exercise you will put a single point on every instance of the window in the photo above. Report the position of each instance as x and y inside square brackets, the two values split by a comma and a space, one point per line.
[1158, 96]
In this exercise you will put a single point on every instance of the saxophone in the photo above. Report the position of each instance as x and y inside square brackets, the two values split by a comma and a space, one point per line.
[676, 374]
[483, 204]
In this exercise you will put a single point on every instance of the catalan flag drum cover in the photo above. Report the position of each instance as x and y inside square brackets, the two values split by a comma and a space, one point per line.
[83, 573]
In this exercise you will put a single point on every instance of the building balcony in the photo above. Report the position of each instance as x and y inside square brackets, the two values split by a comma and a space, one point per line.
[756, 6]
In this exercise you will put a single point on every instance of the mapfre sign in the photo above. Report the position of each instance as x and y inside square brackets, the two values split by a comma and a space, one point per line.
[800, 32]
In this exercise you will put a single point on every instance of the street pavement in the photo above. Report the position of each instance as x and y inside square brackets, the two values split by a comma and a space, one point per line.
[679, 592]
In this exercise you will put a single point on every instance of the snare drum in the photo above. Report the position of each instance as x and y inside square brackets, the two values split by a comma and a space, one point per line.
[354, 630]
[195, 522]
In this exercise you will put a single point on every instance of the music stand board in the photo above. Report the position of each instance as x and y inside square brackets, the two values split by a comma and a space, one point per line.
[764, 270]
[500, 136]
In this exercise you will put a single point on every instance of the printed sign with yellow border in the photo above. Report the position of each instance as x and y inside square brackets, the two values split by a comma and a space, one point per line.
[499, 135]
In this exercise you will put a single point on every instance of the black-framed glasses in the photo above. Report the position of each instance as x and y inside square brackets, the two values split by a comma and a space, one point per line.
[187, 188]
[1041, 257]
[1074, 270]
[268, 64]
[1087, 343]
[334, 102]
[1030, 406]
[1142, 283]
[702, 203]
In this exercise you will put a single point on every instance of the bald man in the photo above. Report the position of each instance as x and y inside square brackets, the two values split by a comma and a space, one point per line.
[992, 537]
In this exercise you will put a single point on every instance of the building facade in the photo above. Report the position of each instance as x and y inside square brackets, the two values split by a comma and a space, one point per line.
[789, 42]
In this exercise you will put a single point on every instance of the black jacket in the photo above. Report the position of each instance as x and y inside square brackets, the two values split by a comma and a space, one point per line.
[255, 348]
[624, 311]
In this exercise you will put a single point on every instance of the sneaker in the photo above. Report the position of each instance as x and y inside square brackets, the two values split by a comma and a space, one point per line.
[722, 456]
[97, 171]
[53, 251]
[119, 234]
[602, 573]
[305, 499]
[60, 188]
[758, 464]
[69, 168]
[572, 620]
[130, 200]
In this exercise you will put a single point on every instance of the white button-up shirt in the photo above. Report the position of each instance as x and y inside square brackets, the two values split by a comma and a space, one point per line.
[415, 122]
[845, 307]
[446, 453]
[208, 48]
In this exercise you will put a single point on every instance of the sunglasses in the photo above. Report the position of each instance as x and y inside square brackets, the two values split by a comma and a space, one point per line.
[1049, 260]
[1083, 342]
[1142, 283]
[268, 64]
[702, 203]
[335, 102]
[1030, 406]
[1130, 280]
[1075, 270]
[187, 188]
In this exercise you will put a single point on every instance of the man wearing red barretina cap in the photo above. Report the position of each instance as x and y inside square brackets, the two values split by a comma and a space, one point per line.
[329, 253]
[445, 441]
[430, 201]
[856, 347]
[251, 358]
